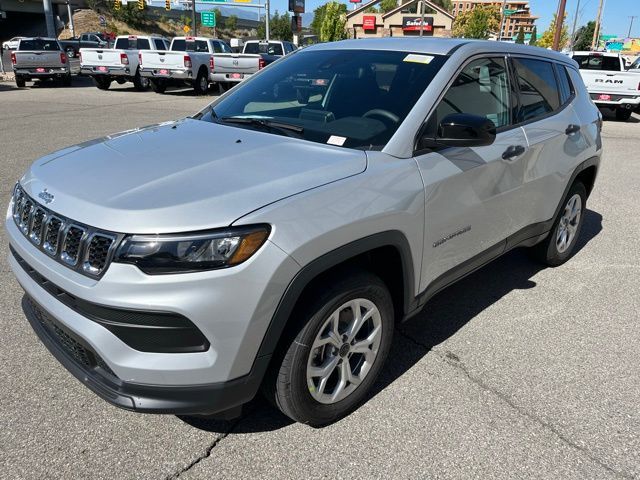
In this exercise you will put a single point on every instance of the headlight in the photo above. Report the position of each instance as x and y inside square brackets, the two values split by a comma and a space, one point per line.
[156, 254]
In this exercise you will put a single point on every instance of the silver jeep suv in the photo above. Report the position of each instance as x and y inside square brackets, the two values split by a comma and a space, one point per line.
[272, 240]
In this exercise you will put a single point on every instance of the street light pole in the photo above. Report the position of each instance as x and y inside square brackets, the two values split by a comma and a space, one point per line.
[73, 31]
[559, 24]
[632, 17]
[266, 25]
[193, 18]
[421, 17]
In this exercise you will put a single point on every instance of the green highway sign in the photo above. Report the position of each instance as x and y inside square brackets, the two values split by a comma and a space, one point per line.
[208, 19]
[508, 12]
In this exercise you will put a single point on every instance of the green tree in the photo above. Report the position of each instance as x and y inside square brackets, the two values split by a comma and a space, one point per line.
[546, 40]
[584, 37]
[279, 28]
[533, 41]
[387, 5]
[318, 16]
[333, 23]
[520, 37]
[231, 22]
[477, 23]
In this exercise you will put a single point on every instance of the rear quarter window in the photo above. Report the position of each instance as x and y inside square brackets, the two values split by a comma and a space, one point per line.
[538, 88]
[564, 83]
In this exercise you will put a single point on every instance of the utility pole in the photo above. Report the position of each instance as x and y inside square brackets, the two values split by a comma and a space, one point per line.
[48, 17]
[503, 18]
[596, 31]
[73, 30]
[421, 17]
[266, 25]
[632, 17]
[559, 24]
[193, 18]
[573, 29]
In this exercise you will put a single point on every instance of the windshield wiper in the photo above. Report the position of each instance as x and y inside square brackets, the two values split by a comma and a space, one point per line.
[207, 109]
[287, 128]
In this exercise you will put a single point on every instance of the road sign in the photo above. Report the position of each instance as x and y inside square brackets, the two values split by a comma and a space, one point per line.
[208, 19]
[508, 13]
[102, 20]
[186, 29]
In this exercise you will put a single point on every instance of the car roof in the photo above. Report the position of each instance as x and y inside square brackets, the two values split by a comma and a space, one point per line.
[440, 46]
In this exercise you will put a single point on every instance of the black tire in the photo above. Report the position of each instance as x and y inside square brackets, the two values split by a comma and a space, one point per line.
[140, 83]
[548, 252]
[103, 83]
[198, 85]
[622, 114]
[287, 381]
[158, 86]
[66, 80]
[20, 82]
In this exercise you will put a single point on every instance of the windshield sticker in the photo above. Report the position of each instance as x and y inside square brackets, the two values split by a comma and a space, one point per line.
[415, 58]
[336, 140]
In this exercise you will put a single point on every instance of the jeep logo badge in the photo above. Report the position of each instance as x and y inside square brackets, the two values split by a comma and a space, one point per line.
[46, 196]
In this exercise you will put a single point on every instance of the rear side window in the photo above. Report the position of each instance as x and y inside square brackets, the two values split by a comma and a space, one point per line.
[564, 84]
[598, 62]
[538, 88]
[482, 88]
[216, 47]
[39, 44]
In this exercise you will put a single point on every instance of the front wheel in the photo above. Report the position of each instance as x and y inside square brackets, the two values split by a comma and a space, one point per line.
[623, 114]
[560, 245]
[343, 339]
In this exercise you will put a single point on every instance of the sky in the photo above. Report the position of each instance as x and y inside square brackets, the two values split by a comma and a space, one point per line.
[616, 13]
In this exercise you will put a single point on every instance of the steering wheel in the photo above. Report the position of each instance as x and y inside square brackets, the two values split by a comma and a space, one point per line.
[382, 113]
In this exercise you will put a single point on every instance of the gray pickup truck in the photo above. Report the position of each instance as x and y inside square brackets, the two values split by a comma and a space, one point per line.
[40, 58]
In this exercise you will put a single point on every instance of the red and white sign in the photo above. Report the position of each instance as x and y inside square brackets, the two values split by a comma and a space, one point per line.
[605, 97]
[413, 24]
[369, 22]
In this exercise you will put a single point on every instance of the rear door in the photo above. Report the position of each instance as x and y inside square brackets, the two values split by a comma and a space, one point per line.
[472, 194]
[553, 132]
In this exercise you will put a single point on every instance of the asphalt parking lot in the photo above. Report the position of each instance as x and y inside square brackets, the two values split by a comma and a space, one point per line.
[516, 372]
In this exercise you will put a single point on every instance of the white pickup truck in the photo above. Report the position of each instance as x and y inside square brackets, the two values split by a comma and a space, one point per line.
[120, 63]
[609, 85]
[189, 60]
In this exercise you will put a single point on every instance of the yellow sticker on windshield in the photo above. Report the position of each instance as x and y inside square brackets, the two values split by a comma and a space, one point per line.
[415, 58]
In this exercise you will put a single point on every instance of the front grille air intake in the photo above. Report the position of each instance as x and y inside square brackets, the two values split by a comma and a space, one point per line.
[77, 246]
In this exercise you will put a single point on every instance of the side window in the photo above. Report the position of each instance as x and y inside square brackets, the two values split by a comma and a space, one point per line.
[482, 88]
[225, 48]
[566, 89]
[538, 88]
[216, 47]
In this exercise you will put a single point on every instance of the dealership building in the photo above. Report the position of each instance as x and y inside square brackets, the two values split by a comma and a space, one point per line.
[407, 19]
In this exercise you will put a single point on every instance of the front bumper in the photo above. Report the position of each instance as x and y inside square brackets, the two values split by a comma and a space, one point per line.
[169, 75]
[110, 71]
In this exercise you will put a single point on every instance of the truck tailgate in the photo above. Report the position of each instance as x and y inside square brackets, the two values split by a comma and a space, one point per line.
[163, 59]
[244, 63]
[29, 59]
[614, 82]
[101, 56]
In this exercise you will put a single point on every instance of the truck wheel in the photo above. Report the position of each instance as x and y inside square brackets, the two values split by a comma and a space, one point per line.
[103, 83]
[343, 339]
[71, 52]
[201, 85]
[158, 86]
[623, 114]
[20, 82]
[140, 83]
[560, 244]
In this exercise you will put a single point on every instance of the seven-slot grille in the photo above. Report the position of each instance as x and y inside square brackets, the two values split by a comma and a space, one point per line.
[80, 247]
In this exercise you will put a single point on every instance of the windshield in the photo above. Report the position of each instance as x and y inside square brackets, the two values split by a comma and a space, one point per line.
[272, 48]
[331, 96]
[598, 62]
[39, 44]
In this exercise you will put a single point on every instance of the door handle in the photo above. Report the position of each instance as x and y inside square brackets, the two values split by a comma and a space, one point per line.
[512, 152]
[571, 129]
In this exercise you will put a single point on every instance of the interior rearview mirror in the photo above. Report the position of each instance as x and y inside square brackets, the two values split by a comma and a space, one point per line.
[462, 130]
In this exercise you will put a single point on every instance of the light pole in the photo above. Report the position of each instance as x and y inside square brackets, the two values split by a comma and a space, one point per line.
[266, 24]
[632, 17]
[421, 17]
[69, 13]
[193, 18]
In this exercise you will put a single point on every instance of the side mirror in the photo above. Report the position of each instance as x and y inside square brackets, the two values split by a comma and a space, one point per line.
[462, 130]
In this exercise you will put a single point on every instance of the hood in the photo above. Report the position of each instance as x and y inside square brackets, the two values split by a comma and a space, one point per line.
[183, 176]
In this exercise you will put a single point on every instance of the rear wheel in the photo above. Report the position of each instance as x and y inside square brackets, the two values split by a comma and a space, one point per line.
[343, 339]
[140, 83]
[201, 85]
[623, 114]
[158, 86]
[20, 82]
[560, 245]
[103, 83]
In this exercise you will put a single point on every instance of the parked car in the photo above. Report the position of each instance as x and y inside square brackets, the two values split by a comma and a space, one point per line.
[42, 59]
[274, 239]
[87, 40]
[12, 43]
[610, 86]
[120, 63]
[187, 62]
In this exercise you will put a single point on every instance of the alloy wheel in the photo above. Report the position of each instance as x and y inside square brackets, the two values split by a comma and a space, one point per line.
[569, 222]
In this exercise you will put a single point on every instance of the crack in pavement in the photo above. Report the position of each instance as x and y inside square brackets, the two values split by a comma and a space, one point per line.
[453, 360]
[207, 452]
